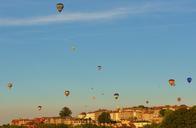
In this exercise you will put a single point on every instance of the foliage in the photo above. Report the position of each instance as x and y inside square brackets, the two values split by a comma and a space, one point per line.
[104, 118]
[141, 106]
[91, 126]
[153, 126]
[65, 112]
[165, 112]
[11, 126]
[181, 118]
[52, 126]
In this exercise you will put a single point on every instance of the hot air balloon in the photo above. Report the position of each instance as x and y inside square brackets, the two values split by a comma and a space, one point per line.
[59, 7]
[94, 98]
[116, 96]
[99, 68]
[9, 85]
[147, 102]
[172, 82]
[39, 108]
[73, 48]
[179, 99]
[67, 93]
[189, 79]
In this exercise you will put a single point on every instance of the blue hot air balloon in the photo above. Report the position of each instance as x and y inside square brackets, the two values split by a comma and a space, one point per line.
[189, 79]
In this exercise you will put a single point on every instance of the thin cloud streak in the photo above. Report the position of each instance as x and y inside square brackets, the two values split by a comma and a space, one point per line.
[98, 16]
[64, 17]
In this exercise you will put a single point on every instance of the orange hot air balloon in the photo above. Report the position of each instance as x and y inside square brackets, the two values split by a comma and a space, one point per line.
[172, 82]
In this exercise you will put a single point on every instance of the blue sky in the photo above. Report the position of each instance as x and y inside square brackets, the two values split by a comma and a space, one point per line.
[140, 45]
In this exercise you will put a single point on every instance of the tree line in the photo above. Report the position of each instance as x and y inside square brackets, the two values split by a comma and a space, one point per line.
[181, 118]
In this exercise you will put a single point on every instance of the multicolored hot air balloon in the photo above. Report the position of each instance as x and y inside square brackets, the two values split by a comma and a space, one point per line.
[116, 96]
[172, 82]
[59, 7]
[67, 93]
[189, 79]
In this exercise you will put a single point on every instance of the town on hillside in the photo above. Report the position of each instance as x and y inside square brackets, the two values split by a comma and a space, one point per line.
[132, 117]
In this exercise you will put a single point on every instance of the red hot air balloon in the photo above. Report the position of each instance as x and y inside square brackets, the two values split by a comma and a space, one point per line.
[172, 82]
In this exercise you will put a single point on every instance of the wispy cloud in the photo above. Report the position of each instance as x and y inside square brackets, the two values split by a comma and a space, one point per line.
[101, 15]
[65, 17]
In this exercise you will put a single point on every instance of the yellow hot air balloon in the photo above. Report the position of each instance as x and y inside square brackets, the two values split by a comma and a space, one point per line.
[67, 93]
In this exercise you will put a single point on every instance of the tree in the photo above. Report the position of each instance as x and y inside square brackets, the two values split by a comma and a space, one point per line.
[181, 118]
[141, 106]
[104, 118]
[164, 112]
[65, 112]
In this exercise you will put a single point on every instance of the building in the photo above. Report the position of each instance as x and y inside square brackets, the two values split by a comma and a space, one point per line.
[141, 124]
[82, 115]
[94, 115]
[21, 122]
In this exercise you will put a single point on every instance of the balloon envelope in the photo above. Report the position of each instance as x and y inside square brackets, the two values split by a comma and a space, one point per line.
[178, 99]
[73, 48]
[66, 93]
[9, 85]
[39, 108]
[172, 82]
[99, 67]
[59, 7]
[116, 96]
[189, 79]
[94, 98]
